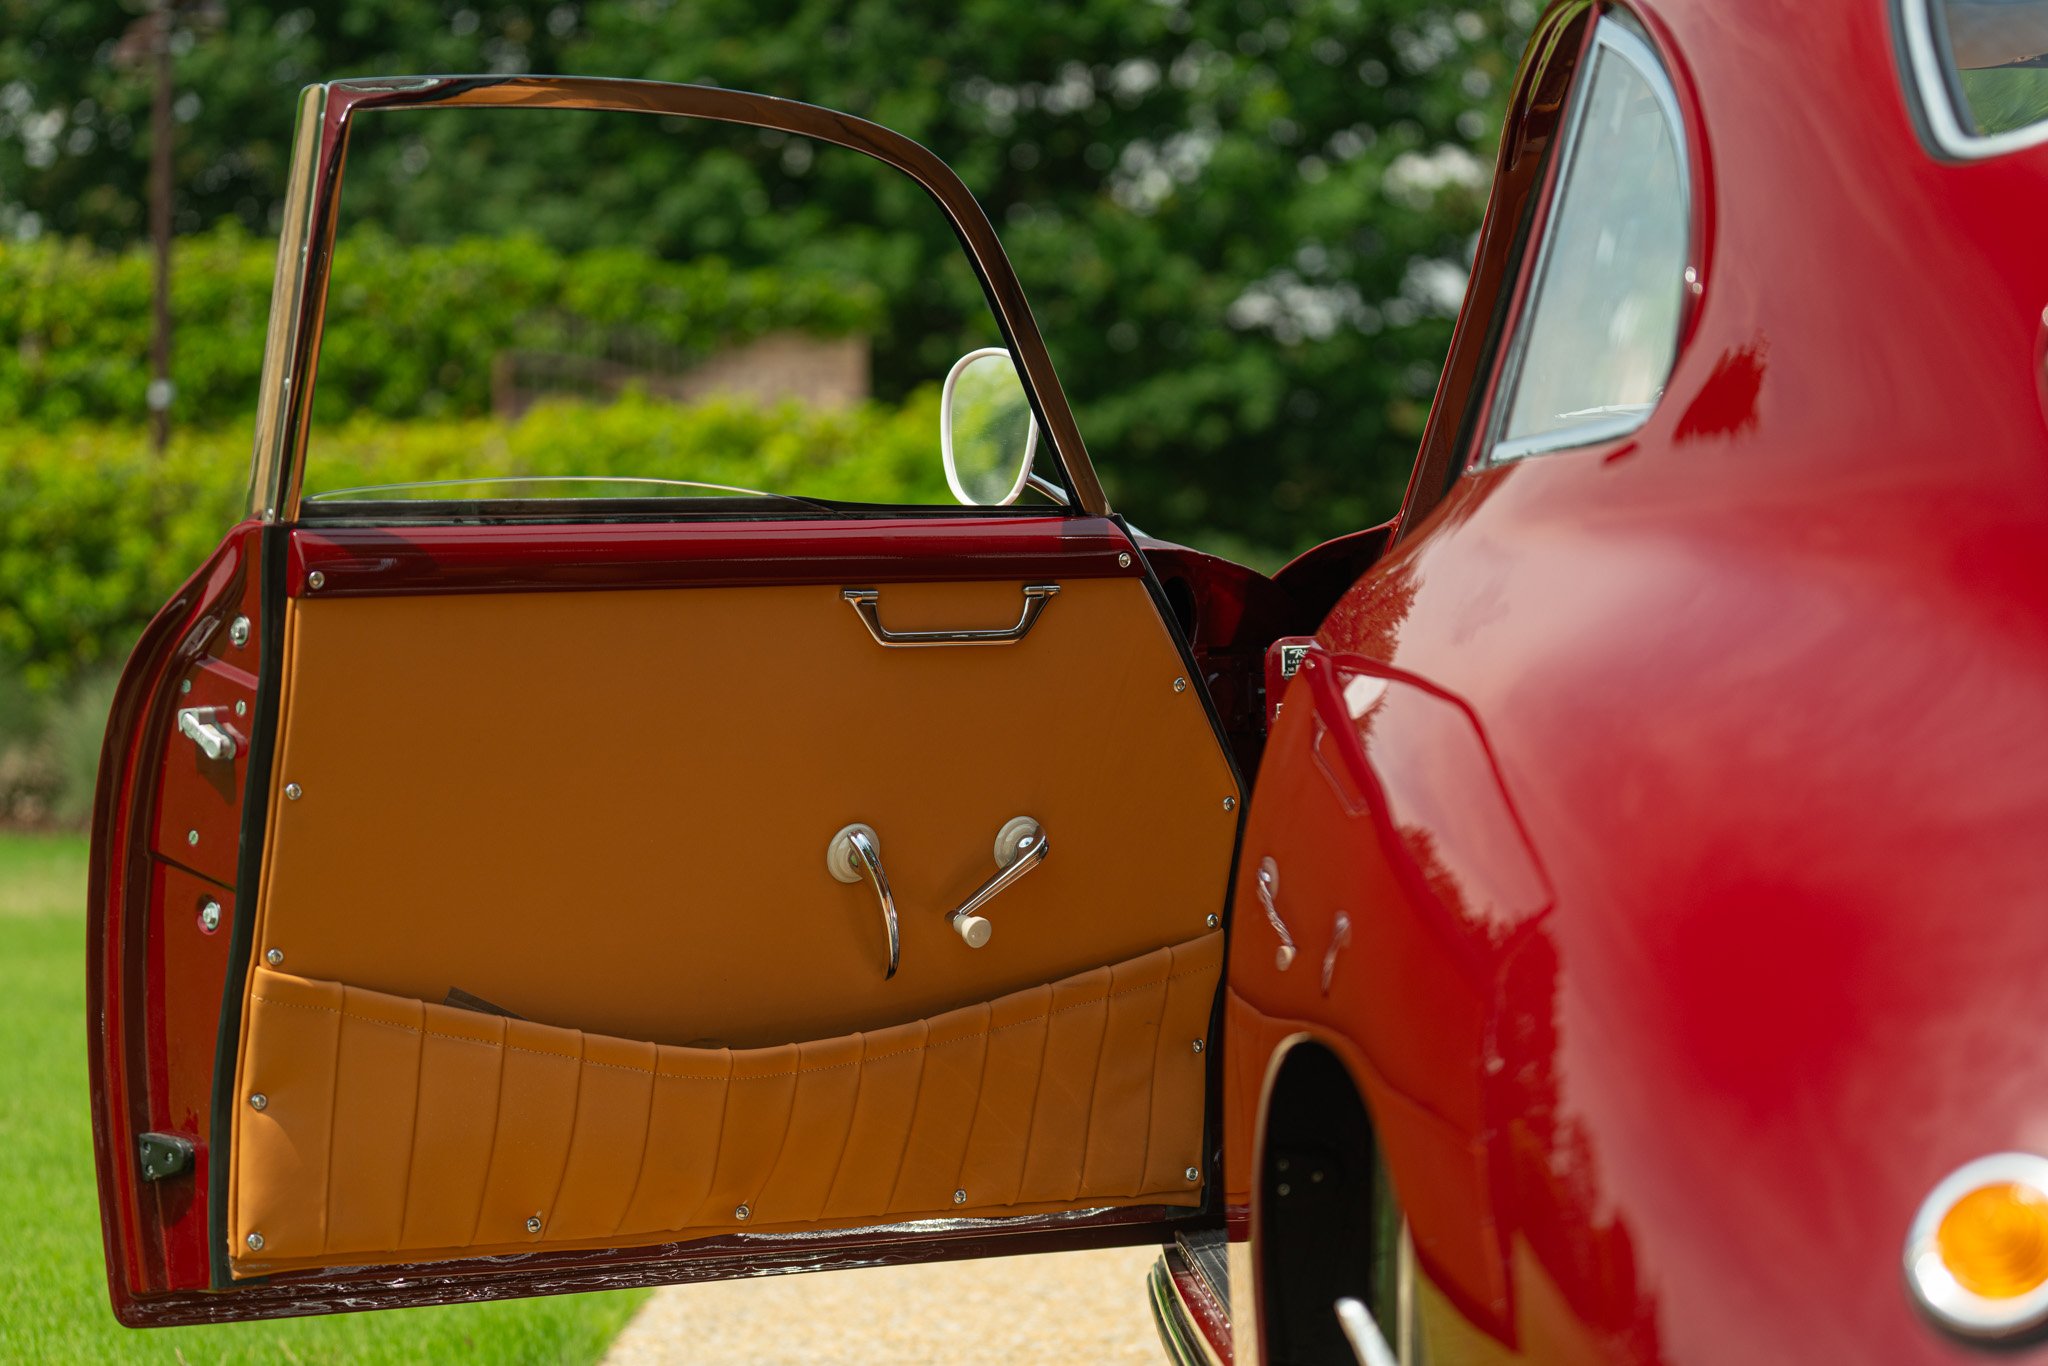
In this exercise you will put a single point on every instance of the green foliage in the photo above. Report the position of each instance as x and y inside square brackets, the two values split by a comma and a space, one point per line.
[1243, 225]
[96, 533]
[409, 326]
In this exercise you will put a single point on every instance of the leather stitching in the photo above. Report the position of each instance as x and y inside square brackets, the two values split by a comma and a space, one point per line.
[763, 1076]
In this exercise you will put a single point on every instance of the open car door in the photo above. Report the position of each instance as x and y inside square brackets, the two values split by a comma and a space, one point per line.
[493, 899]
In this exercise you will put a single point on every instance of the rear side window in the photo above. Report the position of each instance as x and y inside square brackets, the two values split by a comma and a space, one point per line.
[1600, 330]
[1982, 71]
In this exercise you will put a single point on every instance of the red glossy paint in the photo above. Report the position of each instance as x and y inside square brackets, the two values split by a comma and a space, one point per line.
[1752, 780]
[388, 560]
[149, 1006]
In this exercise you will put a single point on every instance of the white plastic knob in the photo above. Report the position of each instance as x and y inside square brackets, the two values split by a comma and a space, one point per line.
[974, 929]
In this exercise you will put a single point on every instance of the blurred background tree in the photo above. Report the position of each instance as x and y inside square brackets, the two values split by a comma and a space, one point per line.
[1243, 224]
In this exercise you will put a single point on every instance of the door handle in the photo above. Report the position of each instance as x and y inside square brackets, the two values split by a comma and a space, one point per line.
[201, 725]
[1021, 845]
[856, 853]
[867, 604]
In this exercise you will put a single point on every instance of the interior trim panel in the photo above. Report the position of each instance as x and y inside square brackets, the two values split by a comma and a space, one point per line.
[391, 1127]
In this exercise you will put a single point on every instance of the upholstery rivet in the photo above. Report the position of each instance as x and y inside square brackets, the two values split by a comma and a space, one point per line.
[316, 579]
[1180, 685]
[184, 685]
[1213, 920]
[1198, 1045]
[255, 1242]
[241, 708]
[191, 837]
[959, 1197]
[259, 1101]
[742, 1213]
[238, 631]
[274, 957]
[1123, 561]
[1230, 803]
[1193, 1173]
[209, 915]
[533, 1223]
[292, 792]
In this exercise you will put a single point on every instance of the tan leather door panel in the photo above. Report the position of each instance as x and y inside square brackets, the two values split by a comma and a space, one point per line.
[606, 814]
[395, 1127]
[609, 811]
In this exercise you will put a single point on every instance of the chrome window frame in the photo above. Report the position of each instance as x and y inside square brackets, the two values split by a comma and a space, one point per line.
[1619, 37]
[1937, 96]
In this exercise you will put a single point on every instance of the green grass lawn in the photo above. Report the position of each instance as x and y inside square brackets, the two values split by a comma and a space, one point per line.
[53, 1289]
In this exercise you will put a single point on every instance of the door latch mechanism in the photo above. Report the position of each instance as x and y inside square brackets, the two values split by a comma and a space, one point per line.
[163, 1155]
[204, 727]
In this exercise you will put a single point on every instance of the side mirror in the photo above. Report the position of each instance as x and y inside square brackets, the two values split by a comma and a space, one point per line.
[987, 434]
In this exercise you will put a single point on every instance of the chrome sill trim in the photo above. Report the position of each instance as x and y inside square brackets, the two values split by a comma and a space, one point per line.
[1176, 1335]
[1566, 438]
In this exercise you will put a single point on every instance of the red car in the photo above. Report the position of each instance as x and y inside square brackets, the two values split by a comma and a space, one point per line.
[1631, 932]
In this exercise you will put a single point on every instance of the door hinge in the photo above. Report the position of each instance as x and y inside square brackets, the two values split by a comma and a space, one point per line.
[164, 1155]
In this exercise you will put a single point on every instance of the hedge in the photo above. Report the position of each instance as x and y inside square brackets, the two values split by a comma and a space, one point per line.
[411, 329]
[96, 532]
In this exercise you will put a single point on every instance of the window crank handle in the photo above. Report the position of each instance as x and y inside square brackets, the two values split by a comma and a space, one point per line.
[1020, 847]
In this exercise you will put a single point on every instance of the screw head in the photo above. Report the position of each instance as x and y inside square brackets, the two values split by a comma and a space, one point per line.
[274, 957]
[191, 837]
[292, 792]
[238, 631]
[1230, 803]
[1198, 1045]
[959, 1197]
[255, 1242]
[742, 1214]
[316, 579]
[1213, 920]
[241, 708]
[209, 915]
[1123, 561]
[1193, 1173]
[533, 1224]
[184, 685]
[1180, 685]
[259, 1101]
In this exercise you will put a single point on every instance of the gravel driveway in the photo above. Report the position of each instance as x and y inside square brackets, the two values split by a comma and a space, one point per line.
[1054, 1307]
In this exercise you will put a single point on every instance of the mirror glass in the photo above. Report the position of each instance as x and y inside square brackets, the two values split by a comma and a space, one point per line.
[986, 431]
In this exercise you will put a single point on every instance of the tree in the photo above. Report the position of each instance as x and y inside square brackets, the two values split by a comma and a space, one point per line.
[1243, 223]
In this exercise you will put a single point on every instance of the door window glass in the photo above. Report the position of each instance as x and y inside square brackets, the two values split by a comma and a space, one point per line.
[527, 306]
[1601, 328]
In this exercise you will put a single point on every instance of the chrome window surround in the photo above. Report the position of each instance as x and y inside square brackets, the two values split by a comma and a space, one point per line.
[1937, 96]
[1619, 38]
[1936, 1290]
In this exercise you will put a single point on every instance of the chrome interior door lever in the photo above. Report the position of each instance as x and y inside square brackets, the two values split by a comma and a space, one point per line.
[856, 853]
[1021, 845]
[204, 727]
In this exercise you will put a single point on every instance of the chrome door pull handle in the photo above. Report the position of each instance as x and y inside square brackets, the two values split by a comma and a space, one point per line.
[856, 853]
[202, 727]
[867, 603]
[1020, 846]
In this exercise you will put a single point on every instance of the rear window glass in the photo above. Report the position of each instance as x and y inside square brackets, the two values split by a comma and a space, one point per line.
[1992, 57]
